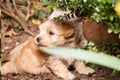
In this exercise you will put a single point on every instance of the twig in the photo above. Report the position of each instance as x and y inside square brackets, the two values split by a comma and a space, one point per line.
[19, 21]
[8, 5]
[14, 4]
[8, 11]
[28, 12]
[19, 13]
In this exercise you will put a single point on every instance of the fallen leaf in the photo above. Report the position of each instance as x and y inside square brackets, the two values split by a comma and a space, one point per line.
[36, 21]
[5, 49]
[9, 33]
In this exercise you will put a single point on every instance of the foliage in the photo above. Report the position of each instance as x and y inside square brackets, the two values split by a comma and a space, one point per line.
[88, 56]
[108, 47]
[98, 10]
[115, 73]
[39, 14]
[49, 4]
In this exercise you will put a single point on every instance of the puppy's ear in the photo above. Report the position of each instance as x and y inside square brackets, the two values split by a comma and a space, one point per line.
[69, 33]
[67, 29]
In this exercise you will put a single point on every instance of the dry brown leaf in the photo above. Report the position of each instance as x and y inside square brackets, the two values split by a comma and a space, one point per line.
[5, 49]
[3, 29]
[9, 33]
[36, 21]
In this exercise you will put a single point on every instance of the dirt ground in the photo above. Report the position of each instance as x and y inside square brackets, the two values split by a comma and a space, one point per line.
[8, 43]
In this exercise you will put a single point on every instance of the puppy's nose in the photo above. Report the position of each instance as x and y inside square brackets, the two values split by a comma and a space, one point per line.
[38, 39]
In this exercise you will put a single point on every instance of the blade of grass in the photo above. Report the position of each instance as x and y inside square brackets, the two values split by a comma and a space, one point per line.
[88, 56]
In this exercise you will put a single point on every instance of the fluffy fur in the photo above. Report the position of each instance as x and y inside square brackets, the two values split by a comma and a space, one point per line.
[28, 58]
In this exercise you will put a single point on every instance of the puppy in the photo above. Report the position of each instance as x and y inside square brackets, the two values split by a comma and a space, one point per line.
[54, 34]
[73, 35]
[28, 57]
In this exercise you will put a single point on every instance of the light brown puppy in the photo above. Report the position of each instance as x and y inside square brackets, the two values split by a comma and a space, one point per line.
[28, 57]
[71, 34]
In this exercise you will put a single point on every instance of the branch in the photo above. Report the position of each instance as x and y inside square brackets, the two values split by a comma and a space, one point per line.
[19, 21]
[8, 6]
[19, 13]
[28, 12]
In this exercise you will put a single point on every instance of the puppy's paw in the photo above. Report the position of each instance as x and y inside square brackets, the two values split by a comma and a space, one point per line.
[45, 69]
[81, 68]
[8, 68]
[67, 76]
[37, 70]
[59, 69]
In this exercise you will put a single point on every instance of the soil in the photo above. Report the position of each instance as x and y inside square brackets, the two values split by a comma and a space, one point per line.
[8, 43]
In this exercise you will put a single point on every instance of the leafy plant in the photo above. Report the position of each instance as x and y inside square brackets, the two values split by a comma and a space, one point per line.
[102, 11]
[108, 47]
[39, 14]
[115, 73]
[49, 4]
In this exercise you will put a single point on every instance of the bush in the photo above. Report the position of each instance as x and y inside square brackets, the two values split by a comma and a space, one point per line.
[98, 10]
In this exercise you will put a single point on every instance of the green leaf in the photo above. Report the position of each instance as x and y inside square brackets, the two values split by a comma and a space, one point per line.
[51, 6]
[111, 17]
[45, 2]
[88, 56]
[40, 13]
[110, 30]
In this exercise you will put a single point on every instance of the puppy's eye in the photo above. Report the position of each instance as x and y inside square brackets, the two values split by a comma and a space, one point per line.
[51, 33]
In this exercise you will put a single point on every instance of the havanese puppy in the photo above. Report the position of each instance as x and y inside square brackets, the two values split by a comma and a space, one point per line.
[28, 58]
[63, 34]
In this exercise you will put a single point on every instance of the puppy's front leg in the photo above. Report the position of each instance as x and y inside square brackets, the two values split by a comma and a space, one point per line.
[33, 62]
[59, 68]
[81, 68]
